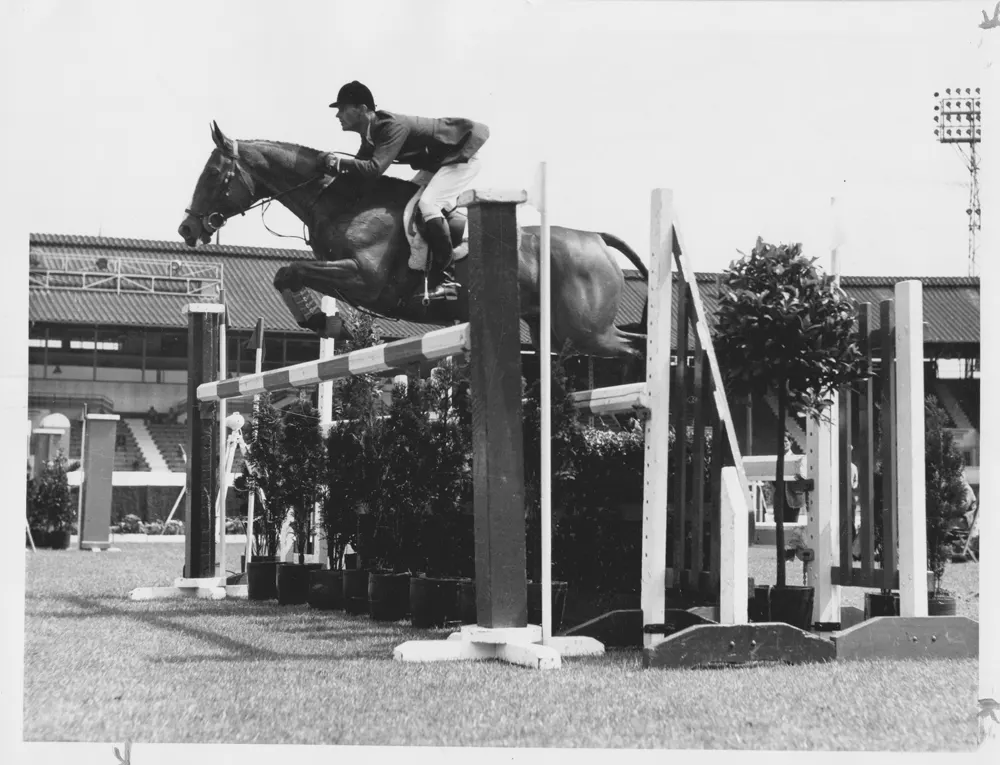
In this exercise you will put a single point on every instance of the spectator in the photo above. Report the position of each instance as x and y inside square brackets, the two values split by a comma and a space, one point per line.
[795, 499]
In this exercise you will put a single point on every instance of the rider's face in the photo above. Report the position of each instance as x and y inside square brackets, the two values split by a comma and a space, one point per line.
[351, 117]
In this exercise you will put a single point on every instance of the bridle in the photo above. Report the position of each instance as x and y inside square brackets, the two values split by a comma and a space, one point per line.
[214, 220]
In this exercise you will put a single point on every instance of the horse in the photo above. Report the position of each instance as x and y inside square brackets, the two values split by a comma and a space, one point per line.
[357, 232]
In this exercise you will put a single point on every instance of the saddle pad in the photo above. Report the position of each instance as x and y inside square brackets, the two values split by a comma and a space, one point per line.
[419, 250]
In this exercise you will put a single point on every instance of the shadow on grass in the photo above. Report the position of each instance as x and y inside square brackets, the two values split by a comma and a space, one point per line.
[378, 640]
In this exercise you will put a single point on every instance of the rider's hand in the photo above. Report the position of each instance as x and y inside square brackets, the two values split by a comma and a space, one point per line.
[330, 165]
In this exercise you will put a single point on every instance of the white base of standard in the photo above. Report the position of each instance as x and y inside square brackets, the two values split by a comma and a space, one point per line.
[212, 588]
[514, 645]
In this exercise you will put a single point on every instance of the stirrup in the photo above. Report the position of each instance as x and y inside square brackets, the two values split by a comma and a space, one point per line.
[449, 286]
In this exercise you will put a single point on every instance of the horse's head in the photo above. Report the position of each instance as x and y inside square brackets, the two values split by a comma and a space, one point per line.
[224, 189]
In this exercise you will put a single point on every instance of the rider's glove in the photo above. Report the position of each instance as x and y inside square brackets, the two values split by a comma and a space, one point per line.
[331, 164]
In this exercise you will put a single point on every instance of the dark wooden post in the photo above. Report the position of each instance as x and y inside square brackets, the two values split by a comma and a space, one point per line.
[203, 446]
[498, 463]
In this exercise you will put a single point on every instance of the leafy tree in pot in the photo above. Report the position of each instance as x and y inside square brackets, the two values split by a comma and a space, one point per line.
[784, 326]
[444, 536]
[567, 445]
[303, 463]
[263, 438]
[945, 509]
[354, 467]
[50, 503]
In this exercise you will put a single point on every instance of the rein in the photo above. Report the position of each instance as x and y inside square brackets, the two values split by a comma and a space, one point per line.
[216, 220]
[213, 221]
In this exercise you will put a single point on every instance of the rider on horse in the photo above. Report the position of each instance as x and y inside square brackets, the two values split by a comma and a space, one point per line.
[443, 151]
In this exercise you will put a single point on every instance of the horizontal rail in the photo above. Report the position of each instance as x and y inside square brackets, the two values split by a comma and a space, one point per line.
[432, 346]
[613, 400]
[763, 467]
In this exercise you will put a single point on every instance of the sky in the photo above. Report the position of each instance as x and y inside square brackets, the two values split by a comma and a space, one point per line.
[755, 114]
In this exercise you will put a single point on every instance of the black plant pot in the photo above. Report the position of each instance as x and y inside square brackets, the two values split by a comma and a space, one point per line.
[558, 604]
[434, 602]
[356, 591]
[293, 582]
[941, 604]
[326, 590]
[881, 604]
[38, 536]
[388, 595]
[262, 579]
[57, 540]
[789, 604]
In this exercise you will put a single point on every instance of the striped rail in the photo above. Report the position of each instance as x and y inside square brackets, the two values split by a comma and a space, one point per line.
[432, 346]
[615, 399]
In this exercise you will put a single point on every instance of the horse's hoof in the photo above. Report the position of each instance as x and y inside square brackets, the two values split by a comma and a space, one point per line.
[287, 278]
[316, 322]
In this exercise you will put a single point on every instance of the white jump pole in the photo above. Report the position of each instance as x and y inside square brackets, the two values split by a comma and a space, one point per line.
[545, 372]
[912, 500]
[327, 350]
[220, 555]
[657, 425]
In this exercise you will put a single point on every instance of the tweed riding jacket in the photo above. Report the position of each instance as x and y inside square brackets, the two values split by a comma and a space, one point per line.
[423, 143]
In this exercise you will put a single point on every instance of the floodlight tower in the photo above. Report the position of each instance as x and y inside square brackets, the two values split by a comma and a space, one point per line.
[959, 122]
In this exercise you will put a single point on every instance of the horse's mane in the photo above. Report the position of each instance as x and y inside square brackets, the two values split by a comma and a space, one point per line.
[287, 145]
[395, 187]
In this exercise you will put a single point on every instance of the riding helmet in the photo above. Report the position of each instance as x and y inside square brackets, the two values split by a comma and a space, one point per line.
[354, 93]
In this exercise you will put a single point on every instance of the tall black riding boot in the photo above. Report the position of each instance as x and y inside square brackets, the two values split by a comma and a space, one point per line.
[442, 258]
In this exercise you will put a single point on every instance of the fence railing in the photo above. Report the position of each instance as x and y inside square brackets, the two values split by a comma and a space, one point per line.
[101, 274]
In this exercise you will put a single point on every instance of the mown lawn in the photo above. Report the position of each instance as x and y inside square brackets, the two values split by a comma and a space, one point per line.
[100, 668]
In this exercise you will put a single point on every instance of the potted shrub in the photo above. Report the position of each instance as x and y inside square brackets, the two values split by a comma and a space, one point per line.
[567, 444]
[784, 326]
[401, 504]
[945, 508]
[303, 467]
[354, 463]
[51, 511]
[262, 474]
[944, 513]
[337, 517]
[445, 543]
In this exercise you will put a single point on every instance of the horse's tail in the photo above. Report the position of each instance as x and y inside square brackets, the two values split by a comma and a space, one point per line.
[613, 241]
[636, 339]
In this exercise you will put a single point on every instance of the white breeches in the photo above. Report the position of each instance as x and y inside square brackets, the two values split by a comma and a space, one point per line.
[443, 187]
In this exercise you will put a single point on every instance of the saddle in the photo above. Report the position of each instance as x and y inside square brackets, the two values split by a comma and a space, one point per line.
[414, 226]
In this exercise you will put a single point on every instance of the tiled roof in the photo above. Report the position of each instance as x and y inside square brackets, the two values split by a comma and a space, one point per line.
[138, 247]
[951, 304]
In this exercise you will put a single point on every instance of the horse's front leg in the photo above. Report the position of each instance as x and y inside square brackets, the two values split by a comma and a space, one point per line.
[336, 278]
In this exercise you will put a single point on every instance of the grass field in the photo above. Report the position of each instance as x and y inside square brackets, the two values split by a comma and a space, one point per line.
[100, 668]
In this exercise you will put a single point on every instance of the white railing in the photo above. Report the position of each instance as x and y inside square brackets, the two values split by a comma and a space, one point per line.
[101, 274]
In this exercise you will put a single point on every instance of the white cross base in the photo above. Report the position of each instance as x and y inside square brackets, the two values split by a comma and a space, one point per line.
[514, 645]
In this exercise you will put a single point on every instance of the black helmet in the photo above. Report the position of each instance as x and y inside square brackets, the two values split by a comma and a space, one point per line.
[354, 93]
